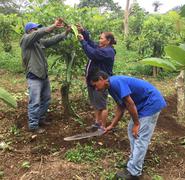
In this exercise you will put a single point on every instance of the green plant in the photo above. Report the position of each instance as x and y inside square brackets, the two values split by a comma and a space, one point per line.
[11, 61]
[26, 165]
[6, 32]
[5, 146]
[1, 174]
[14, 130]
[107, 175]
[7, 98]
[157, 177]
[84, 154]
[70, 59]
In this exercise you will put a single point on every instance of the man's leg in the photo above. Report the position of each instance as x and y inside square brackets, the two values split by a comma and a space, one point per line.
[34, 87]
[45, 99]
[101, 117]
[139, 149]
[97, 114]
[99, 102]
[104, 116]
[131, 137]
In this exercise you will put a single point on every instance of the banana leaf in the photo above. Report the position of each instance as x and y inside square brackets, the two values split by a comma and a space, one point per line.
[165, 64]
[176, 53]
[7, 98]
[75, 30]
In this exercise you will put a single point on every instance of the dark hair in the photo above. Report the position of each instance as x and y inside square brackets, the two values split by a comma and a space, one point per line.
[95, 77]
[109, 36]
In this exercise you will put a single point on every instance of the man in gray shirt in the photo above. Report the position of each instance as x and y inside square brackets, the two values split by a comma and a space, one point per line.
[36, 67]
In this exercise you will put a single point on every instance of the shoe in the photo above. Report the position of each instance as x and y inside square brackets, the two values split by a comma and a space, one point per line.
[37, 130]
[101, 129]
[125, 175]
[94, 127]
[44, 123]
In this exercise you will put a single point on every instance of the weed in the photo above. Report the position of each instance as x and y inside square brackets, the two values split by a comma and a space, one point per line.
[26, 165]
[5, 146]
[87, 153]
[157, 177]
[1, 174]
[107, 175]
[14, 130]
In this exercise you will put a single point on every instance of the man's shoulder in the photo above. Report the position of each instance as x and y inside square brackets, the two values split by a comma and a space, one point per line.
[114, 80]
[116, 77]
[24, 37]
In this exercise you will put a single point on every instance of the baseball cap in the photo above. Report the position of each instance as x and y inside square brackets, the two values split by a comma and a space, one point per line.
[31, 25]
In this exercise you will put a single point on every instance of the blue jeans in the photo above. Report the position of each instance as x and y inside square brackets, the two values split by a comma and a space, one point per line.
[39, 100]
[139, 146]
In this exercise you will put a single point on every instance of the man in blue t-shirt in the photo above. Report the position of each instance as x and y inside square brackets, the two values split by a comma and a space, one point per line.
[144, 103]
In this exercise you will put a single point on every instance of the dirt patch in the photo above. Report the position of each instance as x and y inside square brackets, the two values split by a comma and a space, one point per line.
[168, 118]
[45, 153]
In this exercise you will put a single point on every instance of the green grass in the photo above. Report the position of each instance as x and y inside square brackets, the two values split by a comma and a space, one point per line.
[128, 62]
[86, 153]
[11, 61]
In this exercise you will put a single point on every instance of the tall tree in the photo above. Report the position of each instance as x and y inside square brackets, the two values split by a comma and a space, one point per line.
[107, 4]
[126, 15]
[156, 5]
[157, 49]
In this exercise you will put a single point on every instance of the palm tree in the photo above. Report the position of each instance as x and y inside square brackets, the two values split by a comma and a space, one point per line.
[156, 5]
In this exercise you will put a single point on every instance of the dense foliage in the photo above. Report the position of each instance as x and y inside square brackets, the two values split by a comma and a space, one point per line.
[149, 33]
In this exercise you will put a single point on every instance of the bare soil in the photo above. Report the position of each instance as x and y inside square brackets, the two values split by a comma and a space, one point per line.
[46, 152]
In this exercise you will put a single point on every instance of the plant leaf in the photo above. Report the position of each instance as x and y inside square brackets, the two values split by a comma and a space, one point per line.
[182, 46]
[182, 13]
[75, 30]
[7, 98]
[158, 63]
[177, 53]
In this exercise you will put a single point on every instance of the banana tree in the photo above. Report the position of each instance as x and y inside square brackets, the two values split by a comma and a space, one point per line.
[7, 98]
[175, 63]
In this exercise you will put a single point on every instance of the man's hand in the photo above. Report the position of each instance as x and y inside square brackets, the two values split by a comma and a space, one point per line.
[135, 130]
[108, 128]
[118, 114]
[80, 37]
[59, 23]
[68, 29]
[80, 28]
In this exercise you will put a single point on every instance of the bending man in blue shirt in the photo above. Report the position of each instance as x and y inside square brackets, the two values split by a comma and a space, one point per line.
[144, 103]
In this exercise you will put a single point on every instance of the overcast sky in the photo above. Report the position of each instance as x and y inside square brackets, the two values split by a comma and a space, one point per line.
[146, 4]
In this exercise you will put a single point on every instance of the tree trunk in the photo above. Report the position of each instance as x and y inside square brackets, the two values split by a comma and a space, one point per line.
[126, 14]
[65, 100]
[155, 71]
[180, 85]
[68, 111]
[157, 52]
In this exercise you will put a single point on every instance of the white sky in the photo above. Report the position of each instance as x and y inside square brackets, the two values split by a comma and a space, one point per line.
[146, 4]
